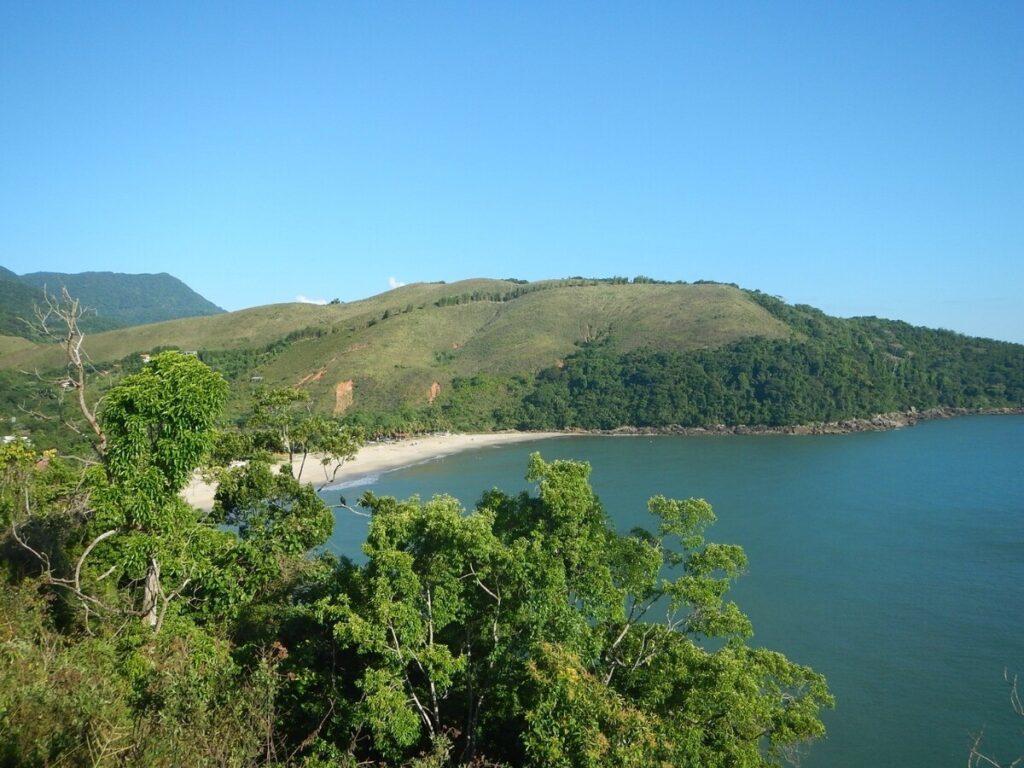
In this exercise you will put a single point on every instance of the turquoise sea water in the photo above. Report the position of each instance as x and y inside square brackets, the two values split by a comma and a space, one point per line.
[891, 562]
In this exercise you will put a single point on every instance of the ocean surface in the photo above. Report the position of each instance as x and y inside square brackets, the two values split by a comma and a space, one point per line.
[892, 562]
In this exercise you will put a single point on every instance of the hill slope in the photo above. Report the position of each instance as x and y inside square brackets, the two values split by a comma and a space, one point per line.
[10, 344]
[397, 347]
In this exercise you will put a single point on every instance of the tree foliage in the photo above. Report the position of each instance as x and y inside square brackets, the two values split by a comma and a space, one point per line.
[530, 632]
[838, 370]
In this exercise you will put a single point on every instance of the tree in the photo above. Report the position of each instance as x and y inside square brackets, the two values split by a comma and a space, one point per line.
[278, 519]
[151, 431]
[275, 410]
[524, 631]
[331, 441]
[60, 320]
[158, 425]
[91, 550]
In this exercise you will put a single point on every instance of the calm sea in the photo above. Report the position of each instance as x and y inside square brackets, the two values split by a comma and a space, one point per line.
[892, 562]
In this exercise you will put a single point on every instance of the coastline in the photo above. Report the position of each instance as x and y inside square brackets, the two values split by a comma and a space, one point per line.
[375, 458]
[882, 422]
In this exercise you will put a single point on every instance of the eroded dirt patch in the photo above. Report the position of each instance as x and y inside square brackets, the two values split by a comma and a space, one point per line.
[312, 377]
[344, 394]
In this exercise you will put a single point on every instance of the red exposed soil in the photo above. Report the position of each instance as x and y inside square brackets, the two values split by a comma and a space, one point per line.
[344, 394]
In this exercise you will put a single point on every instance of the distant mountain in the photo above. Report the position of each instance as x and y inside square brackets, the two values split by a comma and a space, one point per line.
[128, 299]
[17, 306]
[114, 300]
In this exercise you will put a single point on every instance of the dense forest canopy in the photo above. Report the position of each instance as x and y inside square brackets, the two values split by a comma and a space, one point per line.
[855, 369]
[113, 299]
[828, 370]
[125, 299]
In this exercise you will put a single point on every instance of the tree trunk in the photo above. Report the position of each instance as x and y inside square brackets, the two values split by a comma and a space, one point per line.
[152, 591]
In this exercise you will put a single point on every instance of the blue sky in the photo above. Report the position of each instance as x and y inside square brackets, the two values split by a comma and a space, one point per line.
[866, 158]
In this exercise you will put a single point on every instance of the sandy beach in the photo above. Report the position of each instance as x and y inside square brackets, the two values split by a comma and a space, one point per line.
[375, 458]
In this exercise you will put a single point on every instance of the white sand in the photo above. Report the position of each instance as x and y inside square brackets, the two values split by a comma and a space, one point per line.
[375, 458]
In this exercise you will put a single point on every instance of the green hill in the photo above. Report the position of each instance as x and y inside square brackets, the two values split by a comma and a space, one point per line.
[829, 370]
[480, 354]
[395, 346]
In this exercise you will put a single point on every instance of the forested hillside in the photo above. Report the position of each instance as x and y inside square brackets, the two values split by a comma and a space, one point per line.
[123, 299]
[576, 353]
[17, 307]
[829, 370]
[111, 300]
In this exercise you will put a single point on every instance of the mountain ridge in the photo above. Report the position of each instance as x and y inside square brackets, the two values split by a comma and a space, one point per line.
[128, 299]
[110, 299]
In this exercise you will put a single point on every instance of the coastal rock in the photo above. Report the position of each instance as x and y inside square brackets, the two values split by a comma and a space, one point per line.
[881, 422]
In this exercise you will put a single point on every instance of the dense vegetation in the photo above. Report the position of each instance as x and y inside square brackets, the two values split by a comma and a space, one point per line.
[17, 307]
[115, 300]
[19, 303]
[840, 370]
[830, 370]
[135, 630]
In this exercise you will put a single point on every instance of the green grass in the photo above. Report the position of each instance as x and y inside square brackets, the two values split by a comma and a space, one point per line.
[396, 360]
[12, 344]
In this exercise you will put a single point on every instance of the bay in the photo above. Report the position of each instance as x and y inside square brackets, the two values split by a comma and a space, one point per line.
[892, 562]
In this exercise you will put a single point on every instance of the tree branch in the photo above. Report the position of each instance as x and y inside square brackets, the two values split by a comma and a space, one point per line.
[85, 554]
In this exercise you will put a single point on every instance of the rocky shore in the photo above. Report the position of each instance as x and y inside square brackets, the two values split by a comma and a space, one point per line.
[879, 423]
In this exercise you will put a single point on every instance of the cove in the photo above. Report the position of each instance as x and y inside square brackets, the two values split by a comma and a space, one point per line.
[892, 562]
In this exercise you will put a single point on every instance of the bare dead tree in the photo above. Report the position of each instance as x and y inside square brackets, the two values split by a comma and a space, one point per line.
[61, 319]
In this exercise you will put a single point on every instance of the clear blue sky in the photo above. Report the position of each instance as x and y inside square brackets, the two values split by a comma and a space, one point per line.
[866, 158]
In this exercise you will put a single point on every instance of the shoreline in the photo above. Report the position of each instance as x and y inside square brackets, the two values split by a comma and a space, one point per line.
[378, 458]
[883, 422]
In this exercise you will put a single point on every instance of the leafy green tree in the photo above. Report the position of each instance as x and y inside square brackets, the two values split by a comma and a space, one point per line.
[276, 411]
[278, 520]
[158, 425]
[80, 682]
[300, 433]
[524, 631]
[333, 443]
